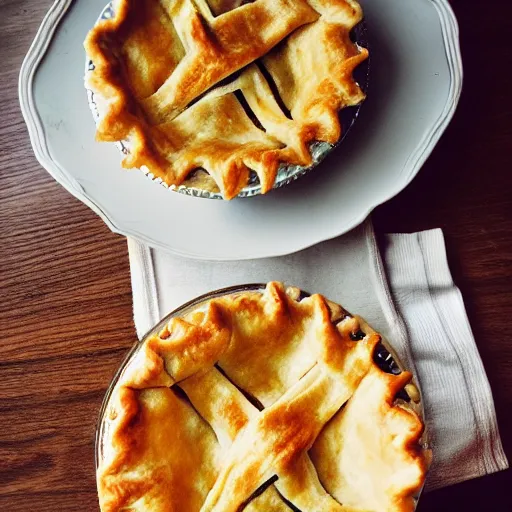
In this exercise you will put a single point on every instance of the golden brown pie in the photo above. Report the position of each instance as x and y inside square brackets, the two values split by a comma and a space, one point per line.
[226, 86]
[261, 401]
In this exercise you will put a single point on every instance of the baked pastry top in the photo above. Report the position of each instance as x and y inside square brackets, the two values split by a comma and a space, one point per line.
[227, 86]
[260, 401]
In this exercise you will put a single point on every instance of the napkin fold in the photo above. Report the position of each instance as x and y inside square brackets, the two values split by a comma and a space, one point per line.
[403, 289]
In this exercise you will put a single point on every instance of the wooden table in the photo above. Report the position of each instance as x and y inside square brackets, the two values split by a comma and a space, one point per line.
[65, 307]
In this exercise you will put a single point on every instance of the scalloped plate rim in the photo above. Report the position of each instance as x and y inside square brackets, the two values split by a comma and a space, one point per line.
[37, 51]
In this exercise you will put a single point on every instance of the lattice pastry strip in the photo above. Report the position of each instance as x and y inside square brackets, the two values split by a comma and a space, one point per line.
[212, 395]
[283, 432]
[217, 47]
[338, 407]
[374, 464]
[157, 65]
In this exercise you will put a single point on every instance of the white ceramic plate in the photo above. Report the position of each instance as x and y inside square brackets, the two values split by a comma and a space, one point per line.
[416, 78]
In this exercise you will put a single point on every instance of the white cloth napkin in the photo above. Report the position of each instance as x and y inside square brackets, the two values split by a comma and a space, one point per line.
[405, 292]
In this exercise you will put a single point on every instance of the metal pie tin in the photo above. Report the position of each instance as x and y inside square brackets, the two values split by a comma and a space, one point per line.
[287, 173]
[384, 356]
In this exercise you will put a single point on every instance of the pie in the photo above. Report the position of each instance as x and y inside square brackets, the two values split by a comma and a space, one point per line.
[230, 87]
[261, 400]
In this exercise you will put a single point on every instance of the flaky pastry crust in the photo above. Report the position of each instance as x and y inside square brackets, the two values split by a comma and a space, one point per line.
[227, 86]
[260, 392]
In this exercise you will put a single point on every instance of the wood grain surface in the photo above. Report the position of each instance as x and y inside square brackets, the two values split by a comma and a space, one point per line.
[65, 302]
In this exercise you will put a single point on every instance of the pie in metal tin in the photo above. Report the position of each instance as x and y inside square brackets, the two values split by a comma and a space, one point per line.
[225, 98]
